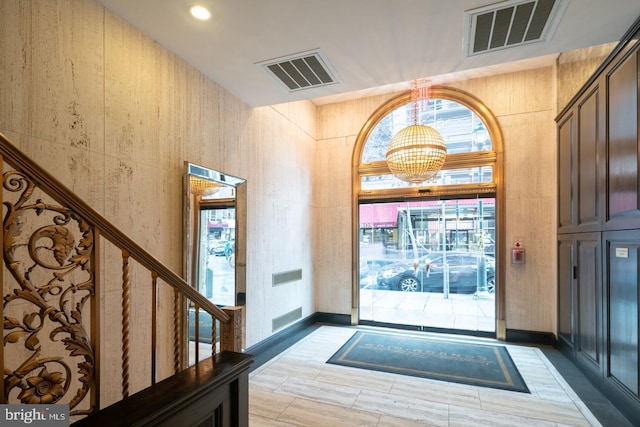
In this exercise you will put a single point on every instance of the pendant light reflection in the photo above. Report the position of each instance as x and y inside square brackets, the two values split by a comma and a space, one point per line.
[203, 187]
[417, 152]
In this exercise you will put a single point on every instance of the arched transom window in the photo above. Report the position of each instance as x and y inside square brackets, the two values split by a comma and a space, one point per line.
[469, 129]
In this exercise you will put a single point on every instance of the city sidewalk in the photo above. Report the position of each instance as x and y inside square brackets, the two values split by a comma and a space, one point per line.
[431, 310]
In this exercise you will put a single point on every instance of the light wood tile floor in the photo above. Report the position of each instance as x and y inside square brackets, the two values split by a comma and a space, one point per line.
[297, 388]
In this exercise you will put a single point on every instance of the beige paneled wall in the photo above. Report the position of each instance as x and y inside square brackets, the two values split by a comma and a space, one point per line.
[574, 68]
[114, 116]
[524, 104]
[47, 97]
[338, 127]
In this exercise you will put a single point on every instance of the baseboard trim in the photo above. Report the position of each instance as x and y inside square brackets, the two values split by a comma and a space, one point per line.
[531, 337]
[284, 334]
[333, 318]
[280, 336]
[479, 334]
[270, 347]
[275, 344]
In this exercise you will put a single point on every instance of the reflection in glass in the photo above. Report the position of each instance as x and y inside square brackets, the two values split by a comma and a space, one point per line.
[217, 241]
[419, 252]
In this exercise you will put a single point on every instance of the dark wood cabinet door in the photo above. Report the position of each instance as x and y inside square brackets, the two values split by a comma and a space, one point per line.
[566, 150]
[622, 278]
[590, 153]
[589, 291]
[581, 176]
[567, 270]
[580, 323]
[623, 203]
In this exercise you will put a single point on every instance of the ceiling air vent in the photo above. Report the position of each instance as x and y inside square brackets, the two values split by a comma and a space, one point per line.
[301, 71]
[511, 23]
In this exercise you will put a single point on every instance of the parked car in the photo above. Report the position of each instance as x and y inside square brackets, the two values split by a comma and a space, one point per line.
[219, 247]
[463, 273]
[369, 269]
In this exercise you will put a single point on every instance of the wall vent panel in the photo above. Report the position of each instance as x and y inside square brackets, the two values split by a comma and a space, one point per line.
[286, 277]
[285, 319]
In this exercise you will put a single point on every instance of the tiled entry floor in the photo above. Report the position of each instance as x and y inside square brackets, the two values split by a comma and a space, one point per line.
[297, 388]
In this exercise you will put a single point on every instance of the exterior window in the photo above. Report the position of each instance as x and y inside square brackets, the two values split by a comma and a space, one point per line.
[462, 130]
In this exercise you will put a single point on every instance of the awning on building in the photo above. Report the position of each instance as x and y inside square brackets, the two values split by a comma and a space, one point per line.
[379, 215]
[385, 215]
[226, 223]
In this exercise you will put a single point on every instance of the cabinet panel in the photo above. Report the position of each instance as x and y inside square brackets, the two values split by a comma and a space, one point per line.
[623, 208]
[566, 291]
[622, 319]
[566, 220]
[588, 167]
[590, 301]
[580, 323]
[581, 150]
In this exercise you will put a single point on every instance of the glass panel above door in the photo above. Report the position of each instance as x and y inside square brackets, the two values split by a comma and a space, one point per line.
[471, 175]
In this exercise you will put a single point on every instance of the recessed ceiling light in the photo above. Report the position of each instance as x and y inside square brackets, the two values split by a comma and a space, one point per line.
[200, 12]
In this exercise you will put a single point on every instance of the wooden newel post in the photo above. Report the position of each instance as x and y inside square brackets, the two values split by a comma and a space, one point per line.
[231, 336]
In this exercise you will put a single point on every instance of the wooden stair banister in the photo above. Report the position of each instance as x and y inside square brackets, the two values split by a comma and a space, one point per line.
[64, 196]
[74, 271]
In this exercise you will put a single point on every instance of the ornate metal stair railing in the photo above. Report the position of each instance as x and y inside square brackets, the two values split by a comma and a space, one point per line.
[57, 286]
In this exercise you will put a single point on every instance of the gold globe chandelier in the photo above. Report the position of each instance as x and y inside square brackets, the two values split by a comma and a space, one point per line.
[417, 152]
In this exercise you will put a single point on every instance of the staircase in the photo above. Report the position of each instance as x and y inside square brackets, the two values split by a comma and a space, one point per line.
[93, 321]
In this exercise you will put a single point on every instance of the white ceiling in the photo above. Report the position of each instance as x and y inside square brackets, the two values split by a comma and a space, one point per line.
[374, 45]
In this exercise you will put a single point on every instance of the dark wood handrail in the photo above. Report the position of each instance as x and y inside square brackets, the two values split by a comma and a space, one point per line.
[58, 191]
[180, 400]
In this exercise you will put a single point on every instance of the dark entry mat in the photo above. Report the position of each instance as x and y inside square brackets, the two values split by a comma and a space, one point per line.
[443, 359]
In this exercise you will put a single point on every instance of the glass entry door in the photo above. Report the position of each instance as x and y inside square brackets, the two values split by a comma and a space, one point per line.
[429, 264]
